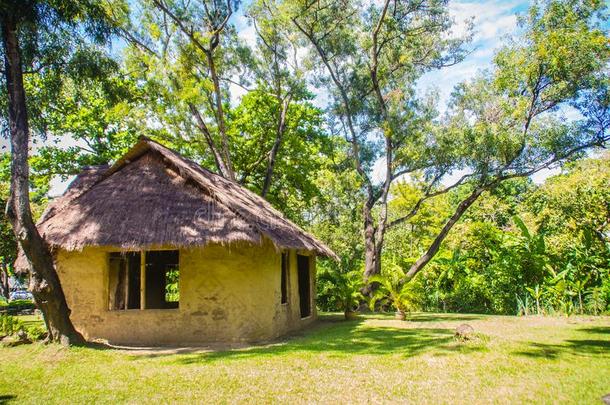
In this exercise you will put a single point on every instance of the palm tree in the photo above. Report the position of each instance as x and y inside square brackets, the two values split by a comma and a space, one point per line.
[394, 290]
[345, 289]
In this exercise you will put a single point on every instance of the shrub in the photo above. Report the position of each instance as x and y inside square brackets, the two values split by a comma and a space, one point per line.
[36, 332]
[341, 291]
[9, 325]
[17, 306]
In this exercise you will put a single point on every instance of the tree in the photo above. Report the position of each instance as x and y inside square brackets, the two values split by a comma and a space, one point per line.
[500, 126]
[98, 111]
[37, 35]
[370, 57]
[244, 110]
[506, 124]
[278, 73]
[543, 258]
[184, 51]
[290, 185]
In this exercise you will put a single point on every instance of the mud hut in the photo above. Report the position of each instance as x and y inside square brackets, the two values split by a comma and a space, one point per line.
[158, 250]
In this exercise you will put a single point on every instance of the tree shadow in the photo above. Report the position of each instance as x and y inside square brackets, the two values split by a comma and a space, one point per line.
[423, 317]
[5, 399]
[585, 348]
[346, 339]
[601, 330]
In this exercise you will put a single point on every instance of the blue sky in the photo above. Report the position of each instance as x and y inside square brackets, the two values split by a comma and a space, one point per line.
[494, 20]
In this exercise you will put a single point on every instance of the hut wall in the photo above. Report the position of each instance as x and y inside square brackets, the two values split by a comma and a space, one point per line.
[227, 294]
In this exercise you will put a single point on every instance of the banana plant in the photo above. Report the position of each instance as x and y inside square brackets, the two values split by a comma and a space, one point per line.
[523, 305]
[578, 287]
[536, 294]
[596, 303]
[533, 247]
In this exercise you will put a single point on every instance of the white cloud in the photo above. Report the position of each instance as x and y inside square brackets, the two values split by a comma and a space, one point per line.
[541, 176]
[486, 15]
[496, 28]
[493, 21]
[245, 30]
[57, 186]
[379, 171]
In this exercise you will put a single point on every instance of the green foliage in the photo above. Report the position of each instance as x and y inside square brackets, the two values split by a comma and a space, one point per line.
[17, 305]
[552, 257]
[304, 149]
[336, 214]
[340, 291]
[99, 115]
[393, 289]
[596, 302]
[8, 243]
[10, 325]
[35, 332]
[172, 290]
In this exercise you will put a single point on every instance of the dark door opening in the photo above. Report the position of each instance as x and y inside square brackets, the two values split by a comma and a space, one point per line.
[304, 285]
[133, 259]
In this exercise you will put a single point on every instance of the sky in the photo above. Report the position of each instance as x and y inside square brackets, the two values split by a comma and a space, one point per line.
[493, 21]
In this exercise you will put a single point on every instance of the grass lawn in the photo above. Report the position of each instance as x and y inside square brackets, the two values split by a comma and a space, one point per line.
[375, 359]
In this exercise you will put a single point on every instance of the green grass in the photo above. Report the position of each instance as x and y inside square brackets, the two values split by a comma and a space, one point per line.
[375, 359]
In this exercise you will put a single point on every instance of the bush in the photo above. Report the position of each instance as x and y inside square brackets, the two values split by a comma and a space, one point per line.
[17, 306]
[10, 325]
[36, 332]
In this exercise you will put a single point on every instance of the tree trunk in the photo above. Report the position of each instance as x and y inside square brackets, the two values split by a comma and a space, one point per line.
[436, 244]
[220, 117]
[44, 282]
[221, 166]
[372, 265]
[4, 287]
[281, 128]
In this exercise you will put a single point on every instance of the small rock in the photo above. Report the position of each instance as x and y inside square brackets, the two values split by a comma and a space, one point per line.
[13, 340]
[606, 399]
[23, 336]
[464, 332]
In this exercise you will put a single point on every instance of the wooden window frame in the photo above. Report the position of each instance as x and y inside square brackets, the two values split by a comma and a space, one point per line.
[142, 289]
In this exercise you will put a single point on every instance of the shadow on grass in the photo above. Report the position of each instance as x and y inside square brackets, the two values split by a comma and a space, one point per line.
[5, 399]
[423, 317]
[600, 330]
[586, 348]
[348, 338]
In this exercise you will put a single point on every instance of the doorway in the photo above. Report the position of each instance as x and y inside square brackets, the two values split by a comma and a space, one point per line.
[304, 285]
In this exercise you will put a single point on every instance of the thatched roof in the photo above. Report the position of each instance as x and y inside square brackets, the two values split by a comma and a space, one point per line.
[154, 197]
